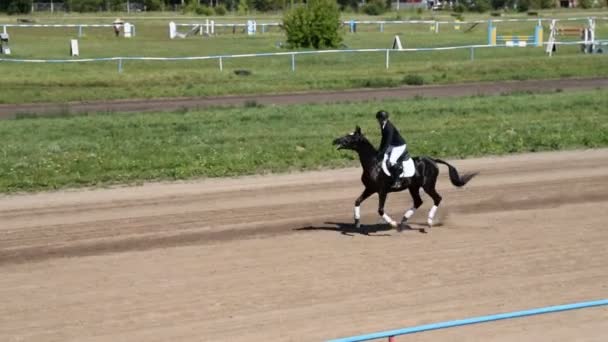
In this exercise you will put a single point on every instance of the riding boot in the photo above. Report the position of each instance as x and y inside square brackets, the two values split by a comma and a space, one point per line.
[396, 174]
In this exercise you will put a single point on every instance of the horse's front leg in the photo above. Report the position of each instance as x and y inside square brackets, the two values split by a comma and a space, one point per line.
[385, 217]
[366, 193]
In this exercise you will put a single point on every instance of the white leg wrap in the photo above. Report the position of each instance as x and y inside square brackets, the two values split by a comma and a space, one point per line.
[357, 213]
[389, 220]
[409, 213]
[432, 213]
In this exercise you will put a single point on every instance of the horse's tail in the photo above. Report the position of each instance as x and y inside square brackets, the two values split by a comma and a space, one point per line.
[455, 178]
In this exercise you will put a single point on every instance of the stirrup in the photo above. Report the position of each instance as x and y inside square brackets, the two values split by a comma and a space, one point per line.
[397, 183]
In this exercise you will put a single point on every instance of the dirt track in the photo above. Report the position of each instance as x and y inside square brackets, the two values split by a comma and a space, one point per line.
[8, 111]
[257, 259]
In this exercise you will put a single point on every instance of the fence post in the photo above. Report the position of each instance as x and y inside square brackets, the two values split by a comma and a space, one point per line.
[120, 65]
[293, 62]
[80, 31]
[387, 58]
[391, 339]
[4, 29]
[381, 27]
[472, 54]
[221, 65]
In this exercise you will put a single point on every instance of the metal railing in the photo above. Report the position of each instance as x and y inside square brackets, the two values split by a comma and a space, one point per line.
[390, 334]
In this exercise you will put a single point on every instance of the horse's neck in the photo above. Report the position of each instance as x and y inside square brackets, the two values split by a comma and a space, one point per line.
[367, 156]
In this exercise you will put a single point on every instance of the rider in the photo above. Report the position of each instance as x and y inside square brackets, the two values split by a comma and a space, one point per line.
[392, 146]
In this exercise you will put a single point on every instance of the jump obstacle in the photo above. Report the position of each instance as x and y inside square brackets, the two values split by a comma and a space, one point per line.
[586, 35]
[210, 28]
[516, 40]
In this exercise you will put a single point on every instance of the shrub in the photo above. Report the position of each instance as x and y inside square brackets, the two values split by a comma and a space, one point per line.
[374, 7]
[194, 7]
[348, 4]
[19, 7]
[315, 25]
[585, 3]
[498, 4]
[114, 5]
[413, 79]
[523, 5]
[243, 7]
[459, 8]
[480, 6]
[262, 5]
[85, 5]
[220, 10]
[153, 5]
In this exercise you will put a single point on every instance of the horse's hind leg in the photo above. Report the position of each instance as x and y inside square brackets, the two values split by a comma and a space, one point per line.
[366, 193]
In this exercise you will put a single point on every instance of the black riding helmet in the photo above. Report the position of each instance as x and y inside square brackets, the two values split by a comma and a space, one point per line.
[382, 115]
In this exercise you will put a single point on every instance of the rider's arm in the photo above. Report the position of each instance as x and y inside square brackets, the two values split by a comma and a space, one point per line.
[387, 136]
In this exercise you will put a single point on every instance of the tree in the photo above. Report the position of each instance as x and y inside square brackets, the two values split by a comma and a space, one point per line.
[315, 25]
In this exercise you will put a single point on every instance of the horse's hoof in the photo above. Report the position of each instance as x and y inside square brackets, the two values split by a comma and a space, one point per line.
[393, 224]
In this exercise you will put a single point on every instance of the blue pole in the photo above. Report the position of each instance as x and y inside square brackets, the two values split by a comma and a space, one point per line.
[473, 320]
[490, 32]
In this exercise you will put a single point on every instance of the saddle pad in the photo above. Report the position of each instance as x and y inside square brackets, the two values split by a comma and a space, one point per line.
[409, 169]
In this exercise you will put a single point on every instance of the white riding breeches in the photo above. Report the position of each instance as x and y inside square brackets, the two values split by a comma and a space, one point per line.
[393, 153]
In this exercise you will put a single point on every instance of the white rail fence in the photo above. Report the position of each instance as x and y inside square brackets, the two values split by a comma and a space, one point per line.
[210, 25]
[292, 55]
[80, 27]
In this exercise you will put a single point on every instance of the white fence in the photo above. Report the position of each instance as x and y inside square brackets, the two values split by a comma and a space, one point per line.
[292, 55]
[209, 26]
[80, 27]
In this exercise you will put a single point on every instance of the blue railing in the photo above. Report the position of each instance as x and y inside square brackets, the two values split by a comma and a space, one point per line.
[390, 334]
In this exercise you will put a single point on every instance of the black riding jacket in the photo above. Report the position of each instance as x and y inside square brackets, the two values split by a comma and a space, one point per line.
[390, 137]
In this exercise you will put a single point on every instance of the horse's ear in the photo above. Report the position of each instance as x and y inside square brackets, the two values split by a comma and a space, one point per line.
[358, 130]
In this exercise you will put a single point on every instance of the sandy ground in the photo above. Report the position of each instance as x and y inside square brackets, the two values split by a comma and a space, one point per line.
[8, 111]
[274, 258]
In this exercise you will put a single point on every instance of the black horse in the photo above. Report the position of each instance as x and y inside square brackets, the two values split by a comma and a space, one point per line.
[376, 181]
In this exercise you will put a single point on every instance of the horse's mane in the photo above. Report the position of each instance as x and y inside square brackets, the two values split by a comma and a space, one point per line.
[368, 145]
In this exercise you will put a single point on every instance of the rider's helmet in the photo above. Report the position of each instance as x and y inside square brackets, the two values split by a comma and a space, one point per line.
[382, 116]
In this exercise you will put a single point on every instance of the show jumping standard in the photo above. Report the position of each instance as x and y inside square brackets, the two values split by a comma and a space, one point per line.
[376, 181]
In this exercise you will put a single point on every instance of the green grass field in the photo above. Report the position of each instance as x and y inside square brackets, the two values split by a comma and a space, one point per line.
[22, 83]
[50, 153]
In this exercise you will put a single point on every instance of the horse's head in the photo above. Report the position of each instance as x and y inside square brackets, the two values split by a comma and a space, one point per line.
[351, 141]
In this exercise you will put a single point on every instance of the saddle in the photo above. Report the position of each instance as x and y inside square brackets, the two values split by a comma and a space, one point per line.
[404, 167]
